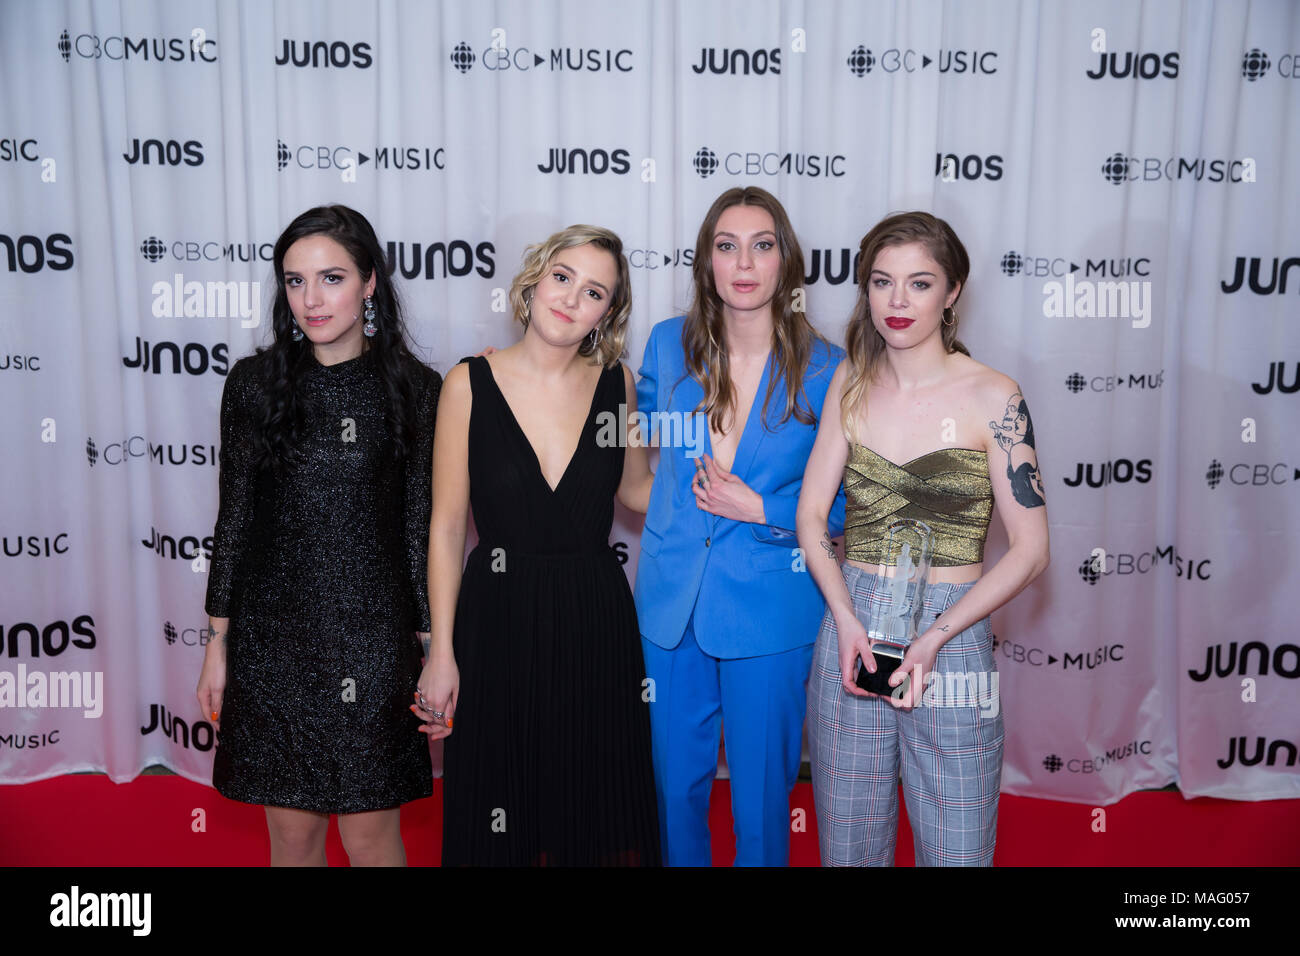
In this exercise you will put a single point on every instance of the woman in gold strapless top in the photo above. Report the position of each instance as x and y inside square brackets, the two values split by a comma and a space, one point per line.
[916, 429]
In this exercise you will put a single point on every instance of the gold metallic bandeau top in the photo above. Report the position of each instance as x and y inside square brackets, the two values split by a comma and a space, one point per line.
[948, 489]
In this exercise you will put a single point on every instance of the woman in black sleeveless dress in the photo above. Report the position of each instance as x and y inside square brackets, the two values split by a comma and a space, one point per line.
[317, 585]
[549, 761]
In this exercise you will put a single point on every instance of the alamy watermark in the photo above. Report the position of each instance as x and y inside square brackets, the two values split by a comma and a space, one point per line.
[673, 429]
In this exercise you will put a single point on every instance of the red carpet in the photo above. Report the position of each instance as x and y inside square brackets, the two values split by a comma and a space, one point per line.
[85, 820]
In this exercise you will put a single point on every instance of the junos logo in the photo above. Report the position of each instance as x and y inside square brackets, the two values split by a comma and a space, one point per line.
[192, 357]
[733, 62]
[1276, 375]
[438, 260]
[1119, 471]
[1251, 269]
[324, 53]
[1237, 752]
[155, 152]
[48, 641]
[1218, 663]
[1140, 66]
[32, 253]
[583, 160]
[951, 167]
[198, 735]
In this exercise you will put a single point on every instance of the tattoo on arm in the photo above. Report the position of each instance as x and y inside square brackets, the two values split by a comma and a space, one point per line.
[826, 546]
[1015, 436]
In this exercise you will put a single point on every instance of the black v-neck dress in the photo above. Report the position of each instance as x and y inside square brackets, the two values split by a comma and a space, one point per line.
[549, 759]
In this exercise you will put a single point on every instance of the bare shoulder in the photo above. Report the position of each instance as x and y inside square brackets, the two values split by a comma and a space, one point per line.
[629, 380]
[456, 387]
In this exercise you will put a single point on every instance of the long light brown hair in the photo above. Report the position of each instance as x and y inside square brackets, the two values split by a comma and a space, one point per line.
[704, 337]
[864, 344]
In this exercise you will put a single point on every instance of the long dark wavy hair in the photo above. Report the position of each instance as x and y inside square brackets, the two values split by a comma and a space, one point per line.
[704, 337]
[278, 430]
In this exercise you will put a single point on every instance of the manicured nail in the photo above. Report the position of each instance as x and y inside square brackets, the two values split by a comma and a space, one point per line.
[449, 723]
[214, 715]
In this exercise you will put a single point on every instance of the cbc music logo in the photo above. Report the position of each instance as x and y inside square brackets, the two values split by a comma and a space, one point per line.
[1221, 662]
[862, 61]
[752, 163]
[156, 152]
[20, 363]
[90, 46]
[36, 545]
[1276, 377]
[439, 260]
[31, 741]
[1255, 64]
[1140, 66]
[499, 58]
[1119, 169]
[1252, 474]
[185, 548]
[1076, 382]
[1037, 657]
[189, 636]
[154, 249]
[136, 447]
[323, 53]
[1103, 564]
[32, 253]
[192, 357]
[1015, 263]
[199, 735]
[48, 641]
[409, 158]
[1251, 269]
[583, 160]
[13, 149]
[1054, 764]
[735, 62]
[654, 259]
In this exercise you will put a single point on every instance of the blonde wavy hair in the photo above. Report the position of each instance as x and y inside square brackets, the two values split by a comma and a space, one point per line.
[538, 259]
[863, 344]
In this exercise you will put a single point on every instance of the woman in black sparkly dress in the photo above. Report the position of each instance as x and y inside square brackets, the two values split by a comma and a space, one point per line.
[317, 589]
[536, 654]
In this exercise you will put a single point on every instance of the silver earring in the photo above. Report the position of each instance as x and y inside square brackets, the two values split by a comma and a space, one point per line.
[595, 335]
[369, 328]
[296, 334]
[528, 309]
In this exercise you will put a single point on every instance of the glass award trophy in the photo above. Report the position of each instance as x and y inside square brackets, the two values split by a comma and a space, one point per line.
[895, 613]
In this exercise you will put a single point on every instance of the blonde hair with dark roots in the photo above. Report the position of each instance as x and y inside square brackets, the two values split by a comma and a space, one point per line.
[704, 339]
[864, 345]
[538, 258]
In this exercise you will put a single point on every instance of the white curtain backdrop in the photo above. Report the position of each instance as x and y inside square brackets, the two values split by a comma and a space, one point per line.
[150, 148]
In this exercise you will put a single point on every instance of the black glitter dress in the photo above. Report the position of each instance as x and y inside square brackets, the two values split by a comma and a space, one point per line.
[549, 760]
[323, 576]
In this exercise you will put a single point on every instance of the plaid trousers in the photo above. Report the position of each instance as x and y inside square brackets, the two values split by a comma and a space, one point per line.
[949, 748]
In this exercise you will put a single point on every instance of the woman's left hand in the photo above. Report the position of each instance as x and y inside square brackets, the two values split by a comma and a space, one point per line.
[721, 493]
[918, 661]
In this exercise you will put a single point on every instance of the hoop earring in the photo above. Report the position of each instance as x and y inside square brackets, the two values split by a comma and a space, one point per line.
[946, 320]
[596, 335]
[369, 328]
[296, 334]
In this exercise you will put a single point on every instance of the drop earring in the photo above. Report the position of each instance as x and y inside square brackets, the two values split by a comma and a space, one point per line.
[369, 328]
[296, 334]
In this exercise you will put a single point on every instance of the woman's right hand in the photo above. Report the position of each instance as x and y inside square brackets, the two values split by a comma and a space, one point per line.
[212, 679]
[854, 643]
[440, 685]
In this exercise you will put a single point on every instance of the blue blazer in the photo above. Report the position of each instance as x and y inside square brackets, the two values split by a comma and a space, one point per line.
[748, 588]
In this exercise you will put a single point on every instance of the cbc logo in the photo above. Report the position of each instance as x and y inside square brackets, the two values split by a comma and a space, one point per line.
[1242, 473]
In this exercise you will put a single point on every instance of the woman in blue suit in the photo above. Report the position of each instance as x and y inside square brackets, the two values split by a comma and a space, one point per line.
[728, 613]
